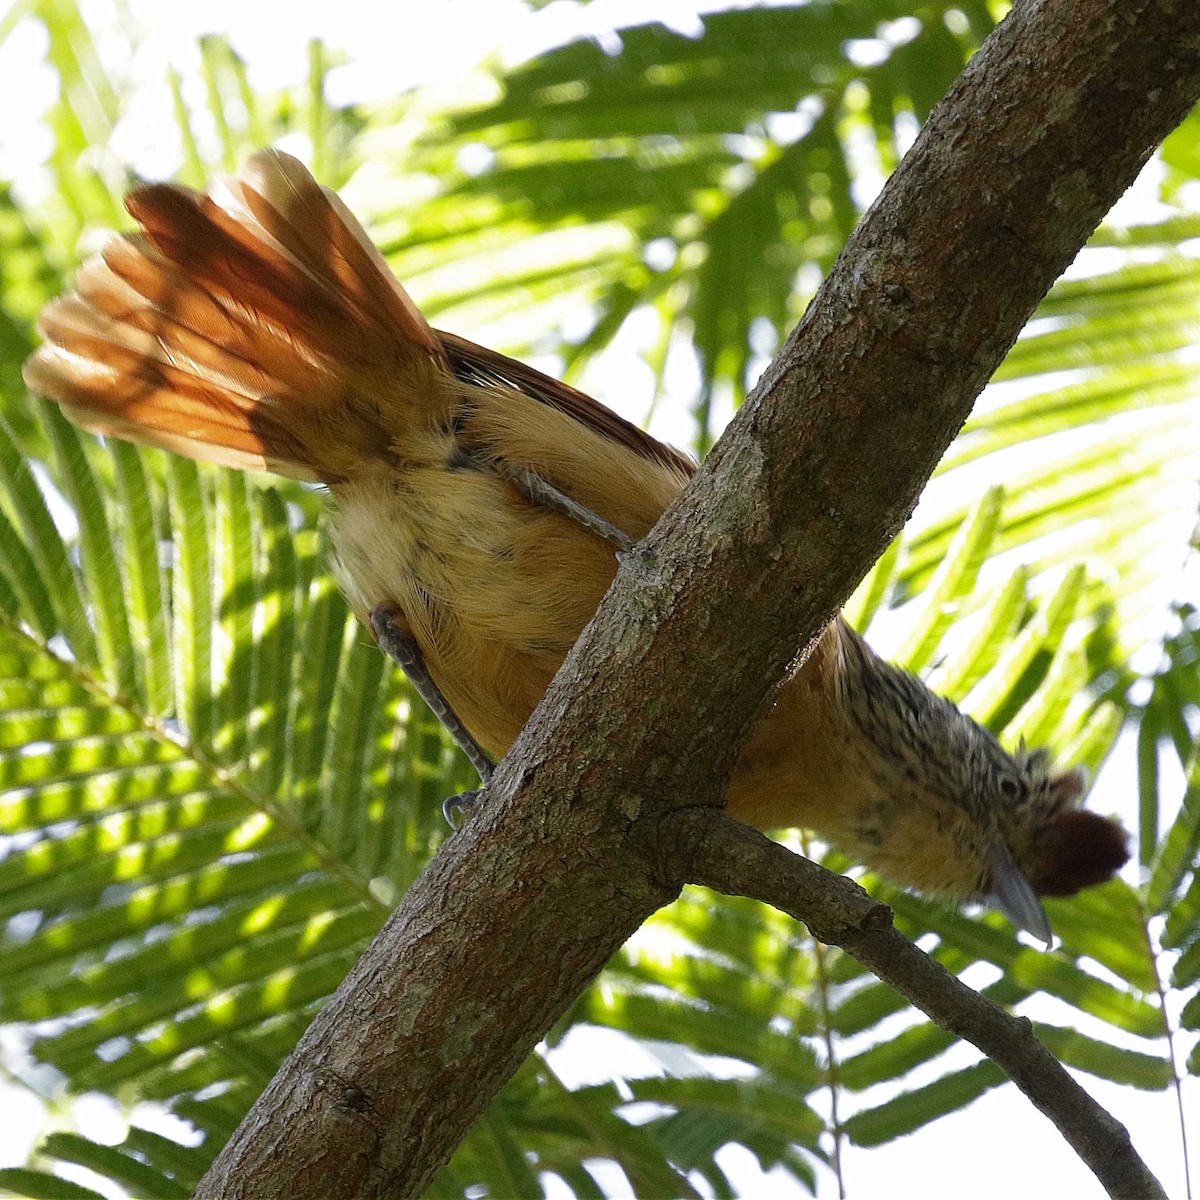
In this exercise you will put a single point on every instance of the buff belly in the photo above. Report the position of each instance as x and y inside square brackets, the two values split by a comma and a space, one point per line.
[494, 589]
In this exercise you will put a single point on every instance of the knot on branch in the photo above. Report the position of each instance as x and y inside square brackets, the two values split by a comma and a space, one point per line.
[854, 916]
[674, 843]
[344, 1100]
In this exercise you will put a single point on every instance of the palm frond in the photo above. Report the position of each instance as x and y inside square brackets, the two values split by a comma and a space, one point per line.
[212, 788]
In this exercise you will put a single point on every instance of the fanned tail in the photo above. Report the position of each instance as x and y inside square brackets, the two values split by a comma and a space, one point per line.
[239, 327]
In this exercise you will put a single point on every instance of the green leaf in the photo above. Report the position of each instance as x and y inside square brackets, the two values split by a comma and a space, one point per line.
[1115, 1063]
[45, 553]
[41, 1185]
[139, 537]
[952, 582]
[109, 1161]
[911, 1110]
[101, 581]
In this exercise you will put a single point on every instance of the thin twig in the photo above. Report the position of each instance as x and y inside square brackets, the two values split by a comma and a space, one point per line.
[1171, 1032]
[730, 857]
[832, 1064]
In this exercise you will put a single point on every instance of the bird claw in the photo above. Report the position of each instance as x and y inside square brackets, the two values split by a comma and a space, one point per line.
[462, 802]
[387, 624]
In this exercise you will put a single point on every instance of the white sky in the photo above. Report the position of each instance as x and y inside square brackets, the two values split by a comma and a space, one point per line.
[997, 1148]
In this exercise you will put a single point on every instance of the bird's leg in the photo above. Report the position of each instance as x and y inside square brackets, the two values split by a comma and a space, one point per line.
[400, 645]
[533, 487]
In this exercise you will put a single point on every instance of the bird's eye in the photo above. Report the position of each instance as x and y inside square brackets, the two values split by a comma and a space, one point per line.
[1010, 787]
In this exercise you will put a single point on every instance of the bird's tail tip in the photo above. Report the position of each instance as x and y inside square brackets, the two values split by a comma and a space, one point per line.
[227, 318]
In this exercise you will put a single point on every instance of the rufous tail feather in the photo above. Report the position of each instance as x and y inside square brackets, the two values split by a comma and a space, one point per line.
[237, 327]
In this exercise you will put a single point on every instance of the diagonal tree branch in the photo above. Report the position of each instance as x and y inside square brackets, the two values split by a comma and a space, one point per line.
[715, 850]
[1040, 135]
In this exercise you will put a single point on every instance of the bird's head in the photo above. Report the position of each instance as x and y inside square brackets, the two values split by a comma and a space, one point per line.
[964, 816]
[1051, 846]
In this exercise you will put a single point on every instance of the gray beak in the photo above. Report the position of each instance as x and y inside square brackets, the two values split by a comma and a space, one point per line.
[1014, 896]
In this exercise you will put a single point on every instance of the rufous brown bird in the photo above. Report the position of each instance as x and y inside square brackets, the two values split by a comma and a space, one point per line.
[478, 508]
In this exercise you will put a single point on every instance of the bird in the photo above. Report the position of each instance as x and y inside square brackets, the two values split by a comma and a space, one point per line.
[479, 513]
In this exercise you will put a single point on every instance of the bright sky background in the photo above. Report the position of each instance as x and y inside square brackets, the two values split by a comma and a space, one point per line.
[999, 1147]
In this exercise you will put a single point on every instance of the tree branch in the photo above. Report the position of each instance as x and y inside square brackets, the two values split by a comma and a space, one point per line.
[1045, 129]
[721, 853]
